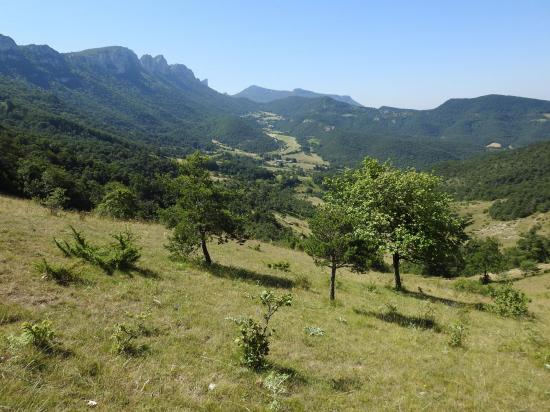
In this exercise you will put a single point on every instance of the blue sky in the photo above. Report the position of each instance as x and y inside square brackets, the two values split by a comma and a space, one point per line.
[413, 54]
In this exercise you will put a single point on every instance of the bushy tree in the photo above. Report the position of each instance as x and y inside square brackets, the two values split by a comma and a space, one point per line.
[534, 246]
[483, 256]
[333, 242]
[406, 212]
[118, 202]
[203, 211]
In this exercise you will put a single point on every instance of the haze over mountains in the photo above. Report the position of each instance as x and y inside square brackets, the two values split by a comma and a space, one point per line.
[112, 93]
[263, 95]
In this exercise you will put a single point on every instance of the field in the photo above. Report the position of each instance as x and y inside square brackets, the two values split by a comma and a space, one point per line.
[506, 231]
[365, 360]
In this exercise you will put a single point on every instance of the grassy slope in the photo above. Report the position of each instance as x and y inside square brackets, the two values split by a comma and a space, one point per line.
[506, 231]
[364, 364]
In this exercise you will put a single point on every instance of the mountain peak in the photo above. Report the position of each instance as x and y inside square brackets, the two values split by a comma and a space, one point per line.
[120, 60]
[7, 43]
[263, 95]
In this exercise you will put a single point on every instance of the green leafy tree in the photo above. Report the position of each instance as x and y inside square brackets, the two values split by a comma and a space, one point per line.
[333, 243]
[203, 211]
[483, 256]
[405, 212]
[119, 202]
[534, 246]
[55, 200]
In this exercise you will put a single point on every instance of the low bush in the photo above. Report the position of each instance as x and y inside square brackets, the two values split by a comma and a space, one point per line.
[283, 266]
[314, 331]
[457, 334]
[302, 282]
[60, 274]
[254, 335]
[472, 286]
[275, 384]
[119, 255]
[509, 302]
[40, 335]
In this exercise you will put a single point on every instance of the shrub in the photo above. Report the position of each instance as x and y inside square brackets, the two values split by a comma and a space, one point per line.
[302, 281]
[124, 252]
[458, 332]
[40, 335]
[58, 273]
[283, 266]
[120, 255]
[55, 201]
[529, 267]
[119, 203]
[254, 335]
[275, 384]
[125, 335]
[509, 302]
[314, 331]
[472, 286]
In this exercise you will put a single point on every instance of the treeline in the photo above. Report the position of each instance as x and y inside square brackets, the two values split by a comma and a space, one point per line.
[127, 180]
[519, 180]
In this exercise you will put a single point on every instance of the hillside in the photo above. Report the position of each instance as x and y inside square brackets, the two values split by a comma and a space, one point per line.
[519, 179]
[147, 101]
[111, 89]
[364, 359]
[457, 129]
[262, 95]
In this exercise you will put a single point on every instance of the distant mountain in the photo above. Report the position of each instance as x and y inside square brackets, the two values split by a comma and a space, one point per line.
[457, 129]
[262, 95]
[112, 93]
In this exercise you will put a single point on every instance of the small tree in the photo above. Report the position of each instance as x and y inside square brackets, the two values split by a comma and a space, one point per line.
[333, 243]
[254, 339]
[202, 211]
[483, 256]
[118, 202]
[55, 200]
[405, 212]
[534, 246]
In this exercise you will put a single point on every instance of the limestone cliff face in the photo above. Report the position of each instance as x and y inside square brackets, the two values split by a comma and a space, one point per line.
[115, 59]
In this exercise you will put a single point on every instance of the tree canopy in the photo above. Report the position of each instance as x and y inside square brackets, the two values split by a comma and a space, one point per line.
[202, 211]
[405, 212]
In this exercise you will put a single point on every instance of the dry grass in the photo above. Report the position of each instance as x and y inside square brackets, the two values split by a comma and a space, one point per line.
[506, 231]
[365, 360]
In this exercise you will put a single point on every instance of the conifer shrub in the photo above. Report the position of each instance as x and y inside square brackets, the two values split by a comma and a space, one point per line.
[119, 255]
[60, 274]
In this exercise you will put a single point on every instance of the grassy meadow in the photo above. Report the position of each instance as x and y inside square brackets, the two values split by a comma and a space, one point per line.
[380, 350]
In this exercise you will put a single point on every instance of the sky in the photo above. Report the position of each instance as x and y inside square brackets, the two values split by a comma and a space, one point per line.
[412, 54]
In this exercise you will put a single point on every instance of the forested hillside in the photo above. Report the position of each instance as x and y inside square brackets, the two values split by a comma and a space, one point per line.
[112, 90]
[457, 129]
[519, 179]
[149, 101]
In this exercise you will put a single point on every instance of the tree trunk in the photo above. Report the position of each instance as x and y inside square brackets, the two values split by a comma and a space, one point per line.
[485, 279]
[207, 258]
[332, 280]
[396, 271]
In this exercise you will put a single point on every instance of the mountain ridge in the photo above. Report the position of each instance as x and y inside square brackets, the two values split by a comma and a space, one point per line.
[260, 94]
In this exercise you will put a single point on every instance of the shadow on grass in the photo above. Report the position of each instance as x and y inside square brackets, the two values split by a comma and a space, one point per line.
[406, 321]
[295, 378]
[421, 295]
[145, 272]
[231, 272]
